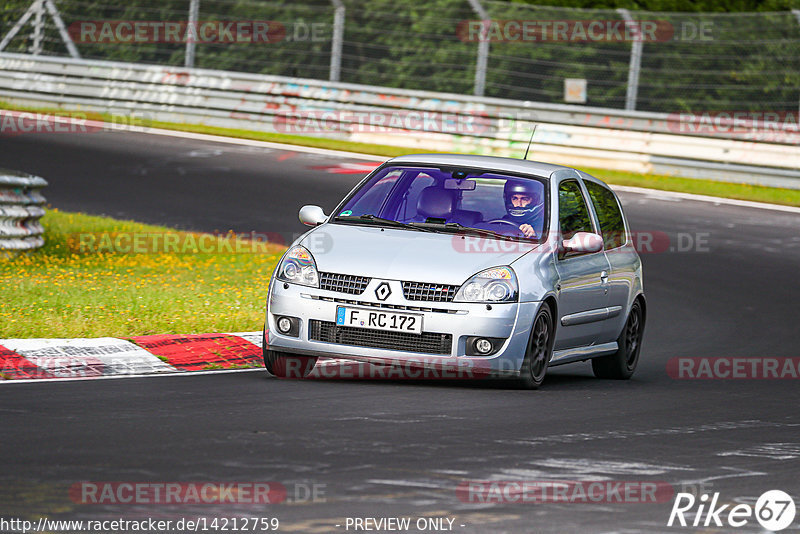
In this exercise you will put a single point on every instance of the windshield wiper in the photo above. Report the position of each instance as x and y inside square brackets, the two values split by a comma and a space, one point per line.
[456, 227]
[368, 217]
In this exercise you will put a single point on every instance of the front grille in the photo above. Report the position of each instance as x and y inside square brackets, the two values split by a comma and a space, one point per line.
[429, 292]
[426, 343]
[343, 283]
[366, 304]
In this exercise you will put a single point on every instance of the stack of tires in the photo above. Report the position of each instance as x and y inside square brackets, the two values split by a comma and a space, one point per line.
[21, 207]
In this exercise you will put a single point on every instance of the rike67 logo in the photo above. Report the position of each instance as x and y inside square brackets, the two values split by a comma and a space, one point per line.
[774, 510]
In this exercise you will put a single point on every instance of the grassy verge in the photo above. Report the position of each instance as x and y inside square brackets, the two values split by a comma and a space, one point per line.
[789, 197]
[79, 286]
[713, 188]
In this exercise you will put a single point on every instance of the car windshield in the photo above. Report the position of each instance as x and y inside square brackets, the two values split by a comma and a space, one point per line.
[447, 199]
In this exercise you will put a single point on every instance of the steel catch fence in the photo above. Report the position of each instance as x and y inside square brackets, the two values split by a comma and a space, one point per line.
[634, 60]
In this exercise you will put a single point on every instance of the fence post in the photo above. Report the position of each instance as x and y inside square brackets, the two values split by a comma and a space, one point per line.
[796, 13]
[191, 33]
[37, 8]
[636, 59]
[62, 29]
[337, 40]
[483, 49]
[38, 27]
[15, 29]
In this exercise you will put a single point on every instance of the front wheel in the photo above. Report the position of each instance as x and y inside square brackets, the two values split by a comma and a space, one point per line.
[284, 365]
[622, 364]
[540, 348]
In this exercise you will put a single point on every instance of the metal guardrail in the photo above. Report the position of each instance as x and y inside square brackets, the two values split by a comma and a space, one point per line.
[576, 135]
[519, 50]
[20, 210]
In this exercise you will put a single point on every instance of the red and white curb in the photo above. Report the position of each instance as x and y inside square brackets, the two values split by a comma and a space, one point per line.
[348, 168]
[106, 357]
[27, 360]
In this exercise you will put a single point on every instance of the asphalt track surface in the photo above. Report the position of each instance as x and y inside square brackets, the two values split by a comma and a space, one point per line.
[391, 448]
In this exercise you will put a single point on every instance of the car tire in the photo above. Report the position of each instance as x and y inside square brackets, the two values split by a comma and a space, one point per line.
[622, 364]
[539, 350]
[284, 365]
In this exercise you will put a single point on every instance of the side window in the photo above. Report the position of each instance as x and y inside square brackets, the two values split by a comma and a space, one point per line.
[608, 213]
[573, 215]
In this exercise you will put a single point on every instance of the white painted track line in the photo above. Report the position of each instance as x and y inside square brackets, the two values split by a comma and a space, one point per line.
[673, 195]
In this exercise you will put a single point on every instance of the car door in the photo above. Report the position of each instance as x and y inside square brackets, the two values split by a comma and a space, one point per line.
[583, 290]
[622, 257]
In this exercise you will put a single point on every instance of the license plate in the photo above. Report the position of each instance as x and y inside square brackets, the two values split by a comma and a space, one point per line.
[378, 320]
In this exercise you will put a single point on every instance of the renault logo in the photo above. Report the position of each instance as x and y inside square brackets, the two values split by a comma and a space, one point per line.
[383, 291]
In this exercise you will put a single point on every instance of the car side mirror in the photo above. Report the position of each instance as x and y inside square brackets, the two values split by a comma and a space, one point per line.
[312, 215]
[583, 242]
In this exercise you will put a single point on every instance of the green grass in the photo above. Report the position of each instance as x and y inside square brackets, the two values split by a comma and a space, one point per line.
[62, 291]
[756, 193]
[774, 195]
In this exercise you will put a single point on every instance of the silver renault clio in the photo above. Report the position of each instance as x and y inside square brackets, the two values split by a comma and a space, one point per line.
[468, 262]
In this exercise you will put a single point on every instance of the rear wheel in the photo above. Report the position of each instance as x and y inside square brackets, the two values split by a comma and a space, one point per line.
[622, 364]
[284, 365]
[540, 348]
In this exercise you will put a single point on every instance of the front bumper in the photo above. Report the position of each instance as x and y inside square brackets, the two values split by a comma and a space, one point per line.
[511, 322]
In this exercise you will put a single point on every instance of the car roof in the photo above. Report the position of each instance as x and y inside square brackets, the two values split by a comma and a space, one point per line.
[494, 163]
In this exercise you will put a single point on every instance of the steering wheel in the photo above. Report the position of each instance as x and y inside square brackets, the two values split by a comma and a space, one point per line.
[503, 221]
[516, 227]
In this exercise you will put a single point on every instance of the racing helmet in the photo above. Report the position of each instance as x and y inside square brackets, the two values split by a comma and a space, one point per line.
[521, 187]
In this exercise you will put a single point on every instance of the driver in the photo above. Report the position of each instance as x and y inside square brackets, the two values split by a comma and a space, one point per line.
[523, 205]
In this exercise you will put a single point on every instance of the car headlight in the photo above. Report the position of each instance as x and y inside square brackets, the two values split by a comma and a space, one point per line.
[498, 284]
[298, 267]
